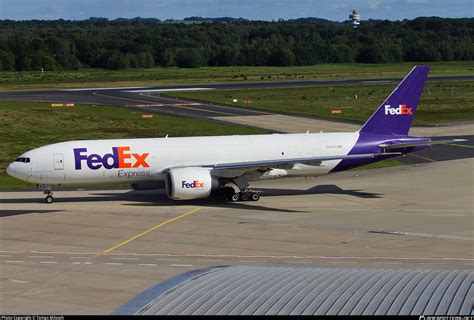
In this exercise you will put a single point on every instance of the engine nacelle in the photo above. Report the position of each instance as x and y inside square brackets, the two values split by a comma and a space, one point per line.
[189, 183]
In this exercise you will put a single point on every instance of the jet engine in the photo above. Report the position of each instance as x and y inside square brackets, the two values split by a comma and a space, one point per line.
[189, 183]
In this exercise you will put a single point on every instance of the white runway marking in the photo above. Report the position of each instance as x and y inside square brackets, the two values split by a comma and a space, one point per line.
[421, 234]
[376, 81]
[147, 264]
[4, 255]
[124, 258]
[43, 257]
[169, 90]
[60, 252]
[210, 260]
[182, 265]
[48, 262]
[174, 257]
[114, 263]
[15, 261]
[18, 281]
[87, 89]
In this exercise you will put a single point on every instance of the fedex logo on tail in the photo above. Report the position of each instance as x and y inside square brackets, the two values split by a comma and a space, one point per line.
[193, 185]
[121, 157]
[400, 110]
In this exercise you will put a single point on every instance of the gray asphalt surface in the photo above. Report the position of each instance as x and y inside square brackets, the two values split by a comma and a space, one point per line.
[442, 152]
[91, 251]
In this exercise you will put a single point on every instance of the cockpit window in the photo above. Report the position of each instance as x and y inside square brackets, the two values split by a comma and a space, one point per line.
[21, 159]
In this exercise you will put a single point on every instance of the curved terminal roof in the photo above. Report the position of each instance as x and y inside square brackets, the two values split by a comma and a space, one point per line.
[308, 291]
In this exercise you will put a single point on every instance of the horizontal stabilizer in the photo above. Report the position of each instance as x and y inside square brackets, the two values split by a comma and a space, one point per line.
[392, 146]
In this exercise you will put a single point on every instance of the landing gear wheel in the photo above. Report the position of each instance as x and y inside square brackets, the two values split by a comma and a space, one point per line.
[255, 196]
[246, 196]
[49, 199]
[235, 197]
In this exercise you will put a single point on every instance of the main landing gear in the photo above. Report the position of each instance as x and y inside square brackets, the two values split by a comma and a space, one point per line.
[245, 195]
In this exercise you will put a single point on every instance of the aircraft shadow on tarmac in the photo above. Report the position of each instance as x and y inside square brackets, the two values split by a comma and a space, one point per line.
[320, 189]
[158, 198]
[8, 213]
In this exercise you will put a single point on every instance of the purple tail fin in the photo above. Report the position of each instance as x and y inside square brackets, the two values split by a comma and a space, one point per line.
[396, 113]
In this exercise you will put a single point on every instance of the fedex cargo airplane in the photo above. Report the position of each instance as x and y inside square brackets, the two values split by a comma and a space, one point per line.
[195, 167]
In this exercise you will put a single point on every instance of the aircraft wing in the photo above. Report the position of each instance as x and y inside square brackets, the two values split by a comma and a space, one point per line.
[388, 146]
[269, 163]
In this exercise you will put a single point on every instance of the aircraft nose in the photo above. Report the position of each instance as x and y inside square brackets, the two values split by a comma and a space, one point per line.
[11, 169]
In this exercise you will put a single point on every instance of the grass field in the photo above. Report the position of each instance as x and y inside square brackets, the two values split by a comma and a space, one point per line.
[440, 102]
[24, 126]
[169, 76]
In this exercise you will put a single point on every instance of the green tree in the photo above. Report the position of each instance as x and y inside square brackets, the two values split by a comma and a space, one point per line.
[43, 60]
[135, 43]
[372, 54]
[396, 53]
[118, 60]
[226, 56]
[282, 57]
[7, 61]
[145, 60]
[165, 57]
[446, 51]
[23, 63]
[188, 58]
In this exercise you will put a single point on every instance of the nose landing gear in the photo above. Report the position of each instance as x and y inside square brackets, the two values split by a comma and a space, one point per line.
[49, 196]
[47, 191]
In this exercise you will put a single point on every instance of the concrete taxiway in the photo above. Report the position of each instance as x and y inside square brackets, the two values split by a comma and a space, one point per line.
[90, 251]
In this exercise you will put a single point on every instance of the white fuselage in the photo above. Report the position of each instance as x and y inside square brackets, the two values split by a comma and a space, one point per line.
[143, 160]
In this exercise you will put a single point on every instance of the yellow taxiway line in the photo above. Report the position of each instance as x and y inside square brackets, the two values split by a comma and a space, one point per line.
[150, 230]
[461, 145]
[420, 157]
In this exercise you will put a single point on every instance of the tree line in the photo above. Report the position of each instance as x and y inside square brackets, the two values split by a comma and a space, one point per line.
[121, 44]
